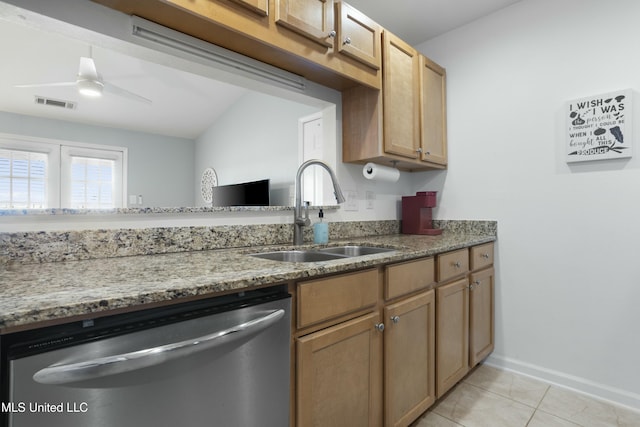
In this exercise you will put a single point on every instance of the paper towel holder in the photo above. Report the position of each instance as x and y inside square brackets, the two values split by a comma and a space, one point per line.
[394, 163]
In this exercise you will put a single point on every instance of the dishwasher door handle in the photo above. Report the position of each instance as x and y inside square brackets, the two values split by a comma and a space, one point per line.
[127, 362]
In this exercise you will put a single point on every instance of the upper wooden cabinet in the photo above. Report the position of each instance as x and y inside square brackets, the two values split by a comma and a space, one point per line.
[261, 7]
[401, 128]
[336, 25]
[358, 36]
[294, 35]
[433, 112]
[404, 125]
[311, 18]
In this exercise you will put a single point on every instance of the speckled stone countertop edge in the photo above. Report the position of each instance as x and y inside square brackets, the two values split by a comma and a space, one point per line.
[33, 294]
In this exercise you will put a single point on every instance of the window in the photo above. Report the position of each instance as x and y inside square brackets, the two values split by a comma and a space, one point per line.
[38, 174]
[23, 179]
[91, 178]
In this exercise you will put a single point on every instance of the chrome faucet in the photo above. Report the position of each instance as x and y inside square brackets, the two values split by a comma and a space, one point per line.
[298, 220]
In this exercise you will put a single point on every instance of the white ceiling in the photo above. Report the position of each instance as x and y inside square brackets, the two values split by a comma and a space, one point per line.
[184, 104]
[416, 21]
[181, 102]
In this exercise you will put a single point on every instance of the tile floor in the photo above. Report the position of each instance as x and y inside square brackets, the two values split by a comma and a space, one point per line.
[490, 397]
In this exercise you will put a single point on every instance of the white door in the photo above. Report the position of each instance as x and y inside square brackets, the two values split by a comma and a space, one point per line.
[314, 179]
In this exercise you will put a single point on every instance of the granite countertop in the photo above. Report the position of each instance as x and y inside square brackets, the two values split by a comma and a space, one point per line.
[34, 293]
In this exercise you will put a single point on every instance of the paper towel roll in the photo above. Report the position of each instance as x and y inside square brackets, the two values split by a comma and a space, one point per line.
[380, 173]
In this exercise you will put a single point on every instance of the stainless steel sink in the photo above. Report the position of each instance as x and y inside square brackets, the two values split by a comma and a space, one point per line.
[324, 254]
[298, 256]
[353, 250]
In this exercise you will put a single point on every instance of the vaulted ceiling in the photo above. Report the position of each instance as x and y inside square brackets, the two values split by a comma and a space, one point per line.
[184, 104]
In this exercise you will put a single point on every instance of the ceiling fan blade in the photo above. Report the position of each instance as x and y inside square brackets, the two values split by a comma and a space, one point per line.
[87, 69]
[116, 90]
[48, 84]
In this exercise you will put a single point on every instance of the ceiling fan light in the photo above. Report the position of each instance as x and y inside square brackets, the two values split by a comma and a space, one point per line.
[90, 88]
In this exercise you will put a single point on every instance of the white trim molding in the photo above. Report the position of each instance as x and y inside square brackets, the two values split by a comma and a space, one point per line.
[599, 391]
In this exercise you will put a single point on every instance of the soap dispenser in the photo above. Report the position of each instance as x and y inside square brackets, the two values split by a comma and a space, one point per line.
[320, 230]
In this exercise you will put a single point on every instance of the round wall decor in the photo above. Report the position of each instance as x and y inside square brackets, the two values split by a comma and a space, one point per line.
[207, 182]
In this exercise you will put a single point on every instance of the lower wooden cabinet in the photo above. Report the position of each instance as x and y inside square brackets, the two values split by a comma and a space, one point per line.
[370, 356]
[465, 314]
[338, 374]
[452, 334]
[481, 316]
[409, 358]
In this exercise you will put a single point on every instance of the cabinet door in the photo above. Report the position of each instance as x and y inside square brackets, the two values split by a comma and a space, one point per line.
[339, 375]
[433, 117]
[311, 18]
[358, 36]
[409, 355]
[400, 97]
[452, 332]
[261, 7]
[481, 314]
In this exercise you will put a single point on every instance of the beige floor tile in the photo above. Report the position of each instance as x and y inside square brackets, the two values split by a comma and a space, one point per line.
[586, 411]
[473, 407]
[433, 420]
[517, 387]
[542, 419]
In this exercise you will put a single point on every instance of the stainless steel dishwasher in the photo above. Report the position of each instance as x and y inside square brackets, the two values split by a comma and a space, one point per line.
[216, 362]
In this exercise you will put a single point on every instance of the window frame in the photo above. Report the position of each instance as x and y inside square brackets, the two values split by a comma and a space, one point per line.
[58, 180]
[52, 151]
[67, 152]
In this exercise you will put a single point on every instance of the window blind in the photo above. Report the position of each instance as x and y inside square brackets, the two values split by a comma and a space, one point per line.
[23, 179]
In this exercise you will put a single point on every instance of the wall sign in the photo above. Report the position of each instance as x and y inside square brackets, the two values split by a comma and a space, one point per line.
[599, 127]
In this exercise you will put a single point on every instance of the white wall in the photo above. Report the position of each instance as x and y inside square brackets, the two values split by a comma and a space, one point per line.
[568, 282]
[256, 138]
[160, 167]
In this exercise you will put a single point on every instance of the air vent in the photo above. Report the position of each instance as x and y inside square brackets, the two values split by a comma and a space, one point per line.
[55, 102]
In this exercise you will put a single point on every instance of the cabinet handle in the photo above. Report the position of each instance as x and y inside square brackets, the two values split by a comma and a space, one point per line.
[380, 327]
[419, 150]
[428, 153]
[457, 264]
[485, 256]
[471, 286]
[347, 40]
[395, 319]
[332, 33]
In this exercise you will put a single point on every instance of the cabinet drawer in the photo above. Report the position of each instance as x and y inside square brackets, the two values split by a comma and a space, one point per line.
[324, 299]
[481, 256]
[453, 264]
[407, 277]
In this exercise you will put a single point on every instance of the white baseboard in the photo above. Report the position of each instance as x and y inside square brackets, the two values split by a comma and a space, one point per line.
[581, 385]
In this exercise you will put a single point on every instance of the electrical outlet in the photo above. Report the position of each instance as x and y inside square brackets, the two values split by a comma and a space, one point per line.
[351, 204]
[370, 196]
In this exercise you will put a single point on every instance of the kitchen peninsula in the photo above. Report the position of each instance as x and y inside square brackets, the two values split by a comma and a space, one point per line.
[52, 291]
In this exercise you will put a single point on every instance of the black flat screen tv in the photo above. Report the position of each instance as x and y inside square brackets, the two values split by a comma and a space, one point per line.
[254, 193]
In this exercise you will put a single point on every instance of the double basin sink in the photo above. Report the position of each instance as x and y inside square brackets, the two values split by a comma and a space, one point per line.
[323, 254]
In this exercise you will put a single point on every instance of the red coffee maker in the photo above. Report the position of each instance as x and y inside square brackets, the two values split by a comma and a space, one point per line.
[416, 213]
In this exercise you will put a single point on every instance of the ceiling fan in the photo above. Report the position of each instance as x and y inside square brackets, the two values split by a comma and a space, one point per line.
[90, 84]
